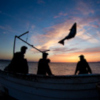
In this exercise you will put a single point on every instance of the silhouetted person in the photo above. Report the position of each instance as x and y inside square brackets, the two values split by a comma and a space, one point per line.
[18, 63]
[43, 66]
[82, 66]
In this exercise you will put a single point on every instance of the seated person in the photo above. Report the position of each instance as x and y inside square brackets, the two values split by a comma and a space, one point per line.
[82, 66]
[18, 63]
[43, 66]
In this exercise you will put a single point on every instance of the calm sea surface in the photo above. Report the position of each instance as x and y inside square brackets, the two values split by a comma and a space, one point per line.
[57, 68]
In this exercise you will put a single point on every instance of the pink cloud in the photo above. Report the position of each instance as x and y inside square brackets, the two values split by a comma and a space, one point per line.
[63, 50]
[87, 37]
[95, 26]
[7, 28]
[1, 27]
[97, 34]
[40, 1]
[85, 8]
[60, 15]
[86, 51]
[92, 50]
[98, 2]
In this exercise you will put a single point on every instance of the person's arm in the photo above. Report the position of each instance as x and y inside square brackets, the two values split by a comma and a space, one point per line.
[76, 68]
[26, 66]
[89, 69]
[38, 70]
[48, 68]
[75, 71]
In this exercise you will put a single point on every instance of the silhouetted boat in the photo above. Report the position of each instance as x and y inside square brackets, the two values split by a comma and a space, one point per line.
[35, 87]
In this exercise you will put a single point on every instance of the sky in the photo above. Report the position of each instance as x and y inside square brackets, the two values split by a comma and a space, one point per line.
[49, 21]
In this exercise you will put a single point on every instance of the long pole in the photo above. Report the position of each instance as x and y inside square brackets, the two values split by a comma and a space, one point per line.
[29, 44]
[14, 45]
[23, 34]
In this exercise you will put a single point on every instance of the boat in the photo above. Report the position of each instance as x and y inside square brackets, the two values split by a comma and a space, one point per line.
[39, 87]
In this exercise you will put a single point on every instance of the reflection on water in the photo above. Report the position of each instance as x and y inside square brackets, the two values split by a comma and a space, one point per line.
[56, 68]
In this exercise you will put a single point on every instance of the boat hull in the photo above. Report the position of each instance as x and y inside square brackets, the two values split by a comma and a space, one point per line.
[33, 87]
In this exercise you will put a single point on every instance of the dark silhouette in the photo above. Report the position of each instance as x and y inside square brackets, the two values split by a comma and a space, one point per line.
[82, 66]
[18, 63]
[70, 35]
[43, 66]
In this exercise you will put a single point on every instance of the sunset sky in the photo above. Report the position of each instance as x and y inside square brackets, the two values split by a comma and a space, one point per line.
[49, 21]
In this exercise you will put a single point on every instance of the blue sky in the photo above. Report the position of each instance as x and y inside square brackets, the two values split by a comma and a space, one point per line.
[48, 21]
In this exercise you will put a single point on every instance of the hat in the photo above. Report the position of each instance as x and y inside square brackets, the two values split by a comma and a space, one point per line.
[81, 56]
[23, 48]
[45, 53]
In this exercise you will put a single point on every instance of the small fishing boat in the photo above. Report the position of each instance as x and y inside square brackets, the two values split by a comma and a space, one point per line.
[39, 87]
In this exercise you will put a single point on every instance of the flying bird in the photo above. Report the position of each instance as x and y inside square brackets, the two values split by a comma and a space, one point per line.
[70, 35]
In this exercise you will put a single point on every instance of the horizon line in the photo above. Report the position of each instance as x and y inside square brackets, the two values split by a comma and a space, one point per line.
[51, 62]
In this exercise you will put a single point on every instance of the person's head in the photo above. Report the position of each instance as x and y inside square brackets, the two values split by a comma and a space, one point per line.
[23, 49]
[81, 57]
[44, 55]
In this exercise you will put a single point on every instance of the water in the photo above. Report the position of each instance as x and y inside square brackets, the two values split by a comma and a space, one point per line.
[57, 68]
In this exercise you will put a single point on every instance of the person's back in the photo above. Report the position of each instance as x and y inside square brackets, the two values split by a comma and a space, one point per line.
[82, 66]
[43, 66]
[18, 63]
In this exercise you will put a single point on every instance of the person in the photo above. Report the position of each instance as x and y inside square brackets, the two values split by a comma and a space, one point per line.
[18, 63]
[43, 65]
[82, 66]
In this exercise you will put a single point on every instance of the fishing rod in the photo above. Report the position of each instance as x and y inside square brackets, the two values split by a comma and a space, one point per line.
[26, 43]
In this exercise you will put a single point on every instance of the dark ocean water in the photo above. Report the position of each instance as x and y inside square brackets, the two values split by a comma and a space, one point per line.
[57, 68]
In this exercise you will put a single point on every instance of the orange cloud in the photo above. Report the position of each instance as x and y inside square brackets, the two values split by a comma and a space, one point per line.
[91, 54]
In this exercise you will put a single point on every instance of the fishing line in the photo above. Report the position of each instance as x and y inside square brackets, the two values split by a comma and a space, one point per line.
[26, 37]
